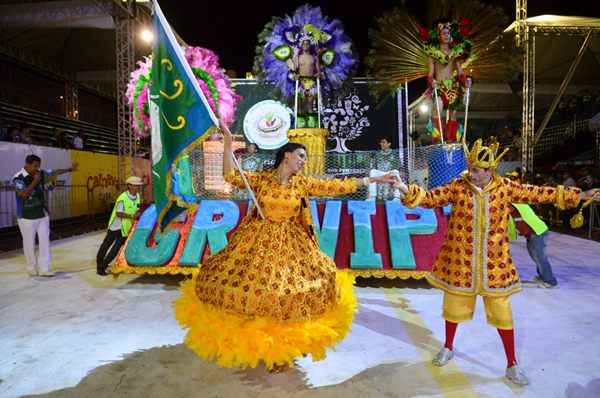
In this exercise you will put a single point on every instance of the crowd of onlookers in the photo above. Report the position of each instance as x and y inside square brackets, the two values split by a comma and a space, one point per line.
[20, 134]
[582, 177]
[583, 105]
[60, 138]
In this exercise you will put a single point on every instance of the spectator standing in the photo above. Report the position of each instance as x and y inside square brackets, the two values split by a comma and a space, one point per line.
[60, 137]
[568, 180]
[4, 131]
[252, 161]
[586, 181]
[15, 135]
[78, 141]
[32, 213]
[26, 135]
[385, 161]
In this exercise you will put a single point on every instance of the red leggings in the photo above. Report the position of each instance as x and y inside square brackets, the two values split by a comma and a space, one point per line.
[506, 335]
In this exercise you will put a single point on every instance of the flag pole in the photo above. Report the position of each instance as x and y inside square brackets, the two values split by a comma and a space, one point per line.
[468, 100]
[243, 175]
[188, 71]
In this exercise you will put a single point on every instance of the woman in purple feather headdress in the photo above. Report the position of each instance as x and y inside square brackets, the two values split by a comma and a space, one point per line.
[300, 49]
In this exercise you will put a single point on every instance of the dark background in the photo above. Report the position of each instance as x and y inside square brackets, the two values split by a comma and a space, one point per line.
[230, 28]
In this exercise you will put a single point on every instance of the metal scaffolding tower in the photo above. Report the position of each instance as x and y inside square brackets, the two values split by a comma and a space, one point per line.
[71, 100]
[525, 39]
[124, 15]
[526, 34]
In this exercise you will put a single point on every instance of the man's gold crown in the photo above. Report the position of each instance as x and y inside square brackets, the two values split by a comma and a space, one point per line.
[485, 157]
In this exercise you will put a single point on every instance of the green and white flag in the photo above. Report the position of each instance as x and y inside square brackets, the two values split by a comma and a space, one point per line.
[180, 116]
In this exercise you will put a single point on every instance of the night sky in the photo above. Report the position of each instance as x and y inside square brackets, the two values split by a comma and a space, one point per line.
[230, 28]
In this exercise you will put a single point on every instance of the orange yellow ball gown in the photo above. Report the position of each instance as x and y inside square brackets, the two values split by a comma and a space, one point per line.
[271, 295]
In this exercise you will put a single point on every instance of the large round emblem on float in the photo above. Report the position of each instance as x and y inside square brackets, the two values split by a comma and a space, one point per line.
[266, 124]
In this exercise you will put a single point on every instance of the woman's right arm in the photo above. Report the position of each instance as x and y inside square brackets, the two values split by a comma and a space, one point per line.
[227, 150]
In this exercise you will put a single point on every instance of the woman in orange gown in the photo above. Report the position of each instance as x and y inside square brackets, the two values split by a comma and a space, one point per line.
[271, 295]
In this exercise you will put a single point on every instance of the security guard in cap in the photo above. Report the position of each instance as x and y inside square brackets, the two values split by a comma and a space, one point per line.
[126, 210]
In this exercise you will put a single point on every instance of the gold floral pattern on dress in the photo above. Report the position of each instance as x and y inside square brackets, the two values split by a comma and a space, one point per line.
[271, 267]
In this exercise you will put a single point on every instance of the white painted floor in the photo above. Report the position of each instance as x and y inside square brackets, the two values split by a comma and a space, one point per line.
[78, 335]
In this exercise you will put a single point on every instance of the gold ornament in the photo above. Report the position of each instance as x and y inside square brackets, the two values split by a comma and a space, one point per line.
[577, 220]
[485, 157]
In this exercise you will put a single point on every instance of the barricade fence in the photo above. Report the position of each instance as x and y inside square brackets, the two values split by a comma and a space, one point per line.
[427, 166]
[63, 202]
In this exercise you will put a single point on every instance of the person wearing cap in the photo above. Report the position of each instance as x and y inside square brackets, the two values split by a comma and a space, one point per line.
[475, 259]
[124, 213]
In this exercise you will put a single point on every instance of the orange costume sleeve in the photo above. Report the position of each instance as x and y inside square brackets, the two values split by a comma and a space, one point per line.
[562, 197]
[333, 187]
[437, 197]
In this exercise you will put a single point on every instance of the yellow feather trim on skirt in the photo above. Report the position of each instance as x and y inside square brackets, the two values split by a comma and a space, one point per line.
[233, 340]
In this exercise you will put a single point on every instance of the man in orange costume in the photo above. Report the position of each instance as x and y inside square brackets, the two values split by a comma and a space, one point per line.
[475, 258]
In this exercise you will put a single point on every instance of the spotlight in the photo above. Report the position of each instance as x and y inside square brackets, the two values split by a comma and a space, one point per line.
[423, 108]
[147, 36]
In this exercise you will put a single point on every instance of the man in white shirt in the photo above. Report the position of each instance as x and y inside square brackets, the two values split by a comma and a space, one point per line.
[32, 213]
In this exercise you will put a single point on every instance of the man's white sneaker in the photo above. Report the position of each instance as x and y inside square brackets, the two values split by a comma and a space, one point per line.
[515, 375]
[443, 357]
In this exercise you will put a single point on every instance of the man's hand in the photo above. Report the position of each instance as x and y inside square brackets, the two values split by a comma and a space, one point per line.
[227, 151]
[74, 167]
[401, 185]
[388, 177]
[227, 136]
[593, 194]
[37, 177]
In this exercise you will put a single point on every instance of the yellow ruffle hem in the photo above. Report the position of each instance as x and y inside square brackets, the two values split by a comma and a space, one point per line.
[234, 340]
